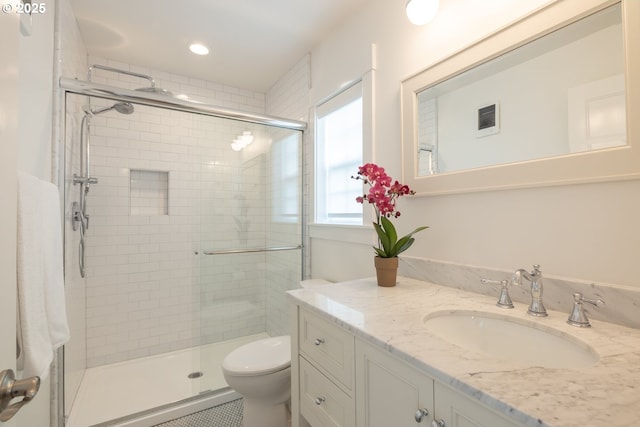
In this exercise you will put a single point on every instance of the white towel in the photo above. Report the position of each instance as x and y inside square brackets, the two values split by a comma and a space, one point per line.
[41, 310]
[54, 295]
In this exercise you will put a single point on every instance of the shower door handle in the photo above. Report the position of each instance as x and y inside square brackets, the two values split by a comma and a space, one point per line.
[10, 388]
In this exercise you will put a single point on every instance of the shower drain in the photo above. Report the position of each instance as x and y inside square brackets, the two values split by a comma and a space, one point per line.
[193, 375]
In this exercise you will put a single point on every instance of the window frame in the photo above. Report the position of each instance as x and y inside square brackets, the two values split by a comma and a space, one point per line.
[346, 232]
[281, 182]
[342, 99]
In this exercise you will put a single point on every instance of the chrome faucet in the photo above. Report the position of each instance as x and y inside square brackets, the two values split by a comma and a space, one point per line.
[504, 301]
[578, 317]
[536, 308]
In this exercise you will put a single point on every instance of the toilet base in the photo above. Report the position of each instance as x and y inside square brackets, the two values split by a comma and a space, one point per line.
[257, 414]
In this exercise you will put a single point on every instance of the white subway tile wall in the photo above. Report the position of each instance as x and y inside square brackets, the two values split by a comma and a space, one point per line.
[150, 288]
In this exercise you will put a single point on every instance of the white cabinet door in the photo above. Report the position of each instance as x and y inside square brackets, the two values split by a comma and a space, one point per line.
[460, 411]
[389, 392]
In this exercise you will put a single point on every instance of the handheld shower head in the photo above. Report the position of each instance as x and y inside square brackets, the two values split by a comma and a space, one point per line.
[123, 107]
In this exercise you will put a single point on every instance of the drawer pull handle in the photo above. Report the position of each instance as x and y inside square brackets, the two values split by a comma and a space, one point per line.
[420, 414]
[318, 341]
[438, 423]
[319, 400]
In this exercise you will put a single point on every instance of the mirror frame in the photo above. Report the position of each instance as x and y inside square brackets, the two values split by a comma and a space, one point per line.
[611, 164]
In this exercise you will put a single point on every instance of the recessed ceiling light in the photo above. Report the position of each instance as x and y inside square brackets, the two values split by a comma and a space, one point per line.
[199, 49]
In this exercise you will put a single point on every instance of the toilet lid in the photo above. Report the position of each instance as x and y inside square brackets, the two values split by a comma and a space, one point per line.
[260, 357]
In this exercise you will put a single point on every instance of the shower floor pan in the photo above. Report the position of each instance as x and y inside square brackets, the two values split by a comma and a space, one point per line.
[119, 390]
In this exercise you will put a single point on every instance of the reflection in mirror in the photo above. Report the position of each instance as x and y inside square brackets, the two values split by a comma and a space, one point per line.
[562, 93]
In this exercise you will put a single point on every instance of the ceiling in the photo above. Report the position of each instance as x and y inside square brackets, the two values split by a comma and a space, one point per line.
[252, 43]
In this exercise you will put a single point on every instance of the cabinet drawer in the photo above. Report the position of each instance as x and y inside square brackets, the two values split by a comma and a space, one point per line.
[329, 347]
[322, 403]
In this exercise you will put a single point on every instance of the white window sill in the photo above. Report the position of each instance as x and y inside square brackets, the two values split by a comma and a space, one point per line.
[343, 233]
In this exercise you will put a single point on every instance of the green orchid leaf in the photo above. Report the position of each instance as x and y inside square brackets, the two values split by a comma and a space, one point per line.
[417, 230]
[382, 236]
[390, 231]
[380, 253]
[405, 242]
[403, 245]
[390, 246]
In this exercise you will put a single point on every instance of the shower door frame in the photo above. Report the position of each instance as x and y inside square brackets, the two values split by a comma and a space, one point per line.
[92, 89]
[96, 90]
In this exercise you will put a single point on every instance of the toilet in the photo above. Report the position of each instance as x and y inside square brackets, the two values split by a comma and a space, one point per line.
[261, 372]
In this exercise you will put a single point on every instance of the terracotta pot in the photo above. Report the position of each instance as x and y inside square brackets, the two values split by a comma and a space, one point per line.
[386, 271]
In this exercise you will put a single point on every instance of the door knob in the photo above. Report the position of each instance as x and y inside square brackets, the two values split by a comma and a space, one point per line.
[10, 388]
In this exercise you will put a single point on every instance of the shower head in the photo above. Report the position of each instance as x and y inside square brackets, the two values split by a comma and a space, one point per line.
[123, 107]
[120, 107]
[157, 90]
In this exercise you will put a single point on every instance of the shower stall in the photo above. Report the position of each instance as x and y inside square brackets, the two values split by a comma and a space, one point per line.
[183, 231]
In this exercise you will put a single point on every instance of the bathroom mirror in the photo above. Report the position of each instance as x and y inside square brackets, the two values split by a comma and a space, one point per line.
[547, 100]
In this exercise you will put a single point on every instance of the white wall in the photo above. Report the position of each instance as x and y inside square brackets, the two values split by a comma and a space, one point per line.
[36, 96]
[587, 232]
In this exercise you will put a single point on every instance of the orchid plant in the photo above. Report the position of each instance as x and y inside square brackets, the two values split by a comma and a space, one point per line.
[383, 195]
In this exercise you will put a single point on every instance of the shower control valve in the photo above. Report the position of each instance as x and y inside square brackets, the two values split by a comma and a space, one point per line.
[79, 217]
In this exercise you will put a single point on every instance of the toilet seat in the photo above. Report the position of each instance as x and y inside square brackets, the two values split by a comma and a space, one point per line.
[259, 357]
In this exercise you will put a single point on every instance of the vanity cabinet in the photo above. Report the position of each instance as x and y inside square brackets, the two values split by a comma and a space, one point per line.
[325, 361]
[392, 393]
[341, 380]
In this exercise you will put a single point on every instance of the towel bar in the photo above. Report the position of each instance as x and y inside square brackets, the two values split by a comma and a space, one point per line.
[250, 250]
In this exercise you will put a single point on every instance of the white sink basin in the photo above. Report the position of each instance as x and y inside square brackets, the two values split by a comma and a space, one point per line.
[526, 343]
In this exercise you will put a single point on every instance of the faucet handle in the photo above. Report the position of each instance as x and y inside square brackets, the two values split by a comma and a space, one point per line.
[504, 301]
[578, 317]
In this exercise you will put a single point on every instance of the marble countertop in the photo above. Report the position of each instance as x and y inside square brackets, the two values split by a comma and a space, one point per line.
[605, 394]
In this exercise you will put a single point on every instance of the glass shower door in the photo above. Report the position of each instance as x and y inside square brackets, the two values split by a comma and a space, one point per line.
[250, 239]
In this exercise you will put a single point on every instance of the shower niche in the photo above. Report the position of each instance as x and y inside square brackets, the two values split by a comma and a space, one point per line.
[148, 192]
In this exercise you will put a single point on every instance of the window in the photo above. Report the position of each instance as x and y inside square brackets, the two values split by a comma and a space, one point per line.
[339, 148]
[286, 175]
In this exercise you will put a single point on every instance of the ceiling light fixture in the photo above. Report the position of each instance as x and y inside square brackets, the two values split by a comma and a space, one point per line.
[199, 49]
[421, 12]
